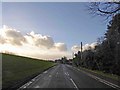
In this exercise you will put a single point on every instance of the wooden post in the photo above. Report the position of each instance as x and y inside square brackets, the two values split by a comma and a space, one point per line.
[81, 50]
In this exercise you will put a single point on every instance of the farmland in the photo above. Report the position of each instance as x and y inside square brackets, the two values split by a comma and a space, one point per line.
[17, 68]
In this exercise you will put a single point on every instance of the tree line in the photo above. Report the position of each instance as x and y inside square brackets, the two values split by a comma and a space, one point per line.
[106, 54]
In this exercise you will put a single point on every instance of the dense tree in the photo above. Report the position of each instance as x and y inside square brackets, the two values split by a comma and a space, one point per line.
[64, 60]
[88, 59]
[106, 55]
[113, 38]
[108, 49]
[77, 58]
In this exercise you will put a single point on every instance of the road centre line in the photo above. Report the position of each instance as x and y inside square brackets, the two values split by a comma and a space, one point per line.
[72, 80]
[50, 75]
[67, 73]
[74, 83]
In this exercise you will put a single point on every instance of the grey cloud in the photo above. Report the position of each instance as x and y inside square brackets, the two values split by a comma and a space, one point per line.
[60, 46]
[75, 48]
[15, 37]
[45, 41]
[2, 40]
[39, 40]
[12, 36]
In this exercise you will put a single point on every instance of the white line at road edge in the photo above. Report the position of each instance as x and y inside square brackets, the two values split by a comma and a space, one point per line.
[101, 80]
[45, 72]
[37, 87]
[34, 79]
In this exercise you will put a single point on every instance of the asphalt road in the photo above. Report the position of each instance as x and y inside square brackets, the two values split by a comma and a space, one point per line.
[65, 76]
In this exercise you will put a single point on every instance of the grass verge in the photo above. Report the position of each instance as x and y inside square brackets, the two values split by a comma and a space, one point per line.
[112, 76]
[17, 68]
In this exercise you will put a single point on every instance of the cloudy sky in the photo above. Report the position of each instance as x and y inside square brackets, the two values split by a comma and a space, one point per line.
[48, 30]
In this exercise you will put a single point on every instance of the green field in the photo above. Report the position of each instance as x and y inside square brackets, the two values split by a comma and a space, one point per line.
[17, 68]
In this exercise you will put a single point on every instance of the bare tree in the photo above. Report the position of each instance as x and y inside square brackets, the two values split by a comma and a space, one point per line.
[106, 9]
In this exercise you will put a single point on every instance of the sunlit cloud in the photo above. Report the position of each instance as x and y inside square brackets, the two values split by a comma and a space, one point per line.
[11, 36]
[60, 46]
[77, 48]
[39, 40]
[31, 44]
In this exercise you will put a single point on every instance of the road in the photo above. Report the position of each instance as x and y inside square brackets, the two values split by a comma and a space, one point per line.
[66, 76]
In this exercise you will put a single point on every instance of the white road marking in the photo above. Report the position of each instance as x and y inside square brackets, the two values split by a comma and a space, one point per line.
[37, 76]
[50, 76]
[67, 73]
[26, 85]
[33, 80]
[37, 87]
[104, 81]
[101, 80]
[45, 72]
[107, 83]
[57, 73]
[74, 84]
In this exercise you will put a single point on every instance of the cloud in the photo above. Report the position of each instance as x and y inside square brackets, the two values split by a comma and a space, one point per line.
[2, 40]
[31, 44]
[39, 40]
[12, 36]
[89, 46]
[76, 48]
[60, 46]
[93, 45]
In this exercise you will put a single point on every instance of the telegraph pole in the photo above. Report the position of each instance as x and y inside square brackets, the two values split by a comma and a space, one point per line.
[72, 54]
[81, 51]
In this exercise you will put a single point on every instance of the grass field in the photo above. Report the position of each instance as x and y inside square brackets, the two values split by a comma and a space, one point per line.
[16, 68]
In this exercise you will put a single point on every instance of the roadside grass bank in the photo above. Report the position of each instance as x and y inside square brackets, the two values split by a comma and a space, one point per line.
[107, 75]
[17, 69]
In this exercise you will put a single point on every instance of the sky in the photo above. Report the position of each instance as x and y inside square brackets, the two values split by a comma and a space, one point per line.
[57, 26]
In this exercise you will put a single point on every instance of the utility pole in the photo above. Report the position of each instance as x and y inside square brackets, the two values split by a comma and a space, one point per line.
[117, 45]
[81, 51]
[72, 54]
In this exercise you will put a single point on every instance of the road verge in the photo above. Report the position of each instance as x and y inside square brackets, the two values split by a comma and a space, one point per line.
[115, 83]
